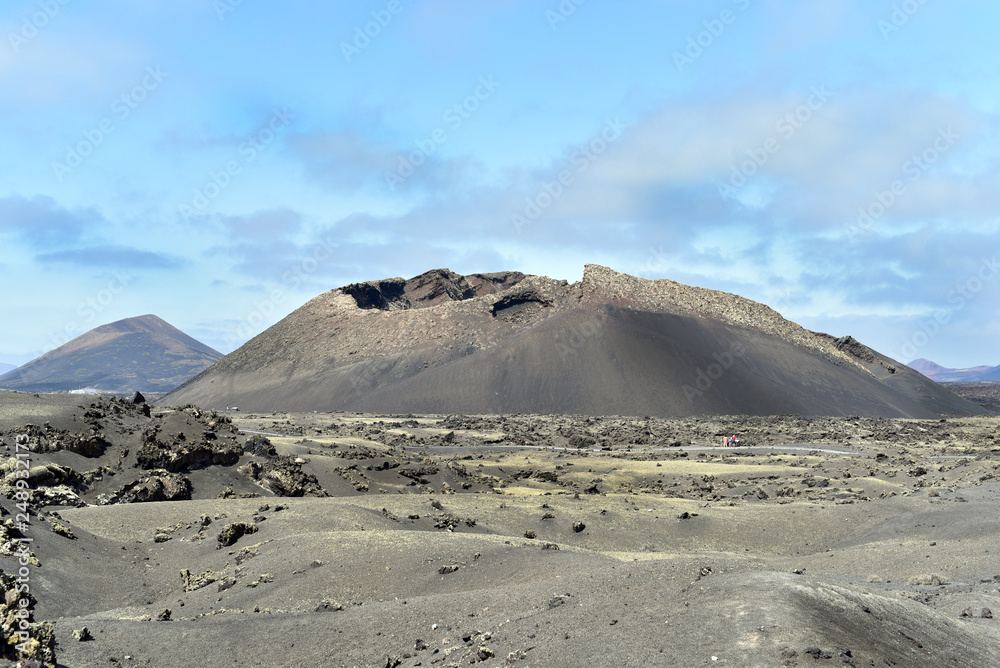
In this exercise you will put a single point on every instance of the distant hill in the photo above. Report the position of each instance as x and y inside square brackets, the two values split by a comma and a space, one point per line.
[143, 353]
[611, 344]
[4, 368]
[941, 374]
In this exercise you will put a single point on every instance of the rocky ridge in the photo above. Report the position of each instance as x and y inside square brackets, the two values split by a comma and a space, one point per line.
[442, 305]
[665, 295]
[506, 342]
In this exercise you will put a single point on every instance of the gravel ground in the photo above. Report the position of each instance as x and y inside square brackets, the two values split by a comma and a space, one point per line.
[179, 538]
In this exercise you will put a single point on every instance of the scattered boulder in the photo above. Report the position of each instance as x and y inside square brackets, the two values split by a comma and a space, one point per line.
[87, 445]
[259, 446]
[61, 529]
[60, 495]
[330, 605]
[234, 531]
[47, 475]
[582, 441]
[418, 473]
[21, 637]
[176, 457]
[817, 653]
[160, 486]
[283, 476]
[195, 582]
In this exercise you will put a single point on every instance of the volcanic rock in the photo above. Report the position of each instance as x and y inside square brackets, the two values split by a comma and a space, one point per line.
[234, 531]
[160, 486]
[611, 344]
[283, 476]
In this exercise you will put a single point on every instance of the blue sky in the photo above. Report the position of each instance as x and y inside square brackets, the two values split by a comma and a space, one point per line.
[220, 162]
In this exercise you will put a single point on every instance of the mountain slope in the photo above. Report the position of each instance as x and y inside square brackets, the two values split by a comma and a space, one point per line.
[144, 353]
[610, 344]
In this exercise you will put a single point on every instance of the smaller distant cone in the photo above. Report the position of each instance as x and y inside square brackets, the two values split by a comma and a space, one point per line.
[138, 398]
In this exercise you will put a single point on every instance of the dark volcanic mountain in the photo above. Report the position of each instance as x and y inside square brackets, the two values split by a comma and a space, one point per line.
[508, 343]
[942, 374]
[144, 353]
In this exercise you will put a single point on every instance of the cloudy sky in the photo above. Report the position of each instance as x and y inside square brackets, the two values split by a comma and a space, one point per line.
[220, 162]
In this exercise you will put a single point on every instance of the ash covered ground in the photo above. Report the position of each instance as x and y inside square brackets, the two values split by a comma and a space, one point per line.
[174, 536]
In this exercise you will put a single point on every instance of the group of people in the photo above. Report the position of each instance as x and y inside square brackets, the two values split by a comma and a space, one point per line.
[729, 441]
